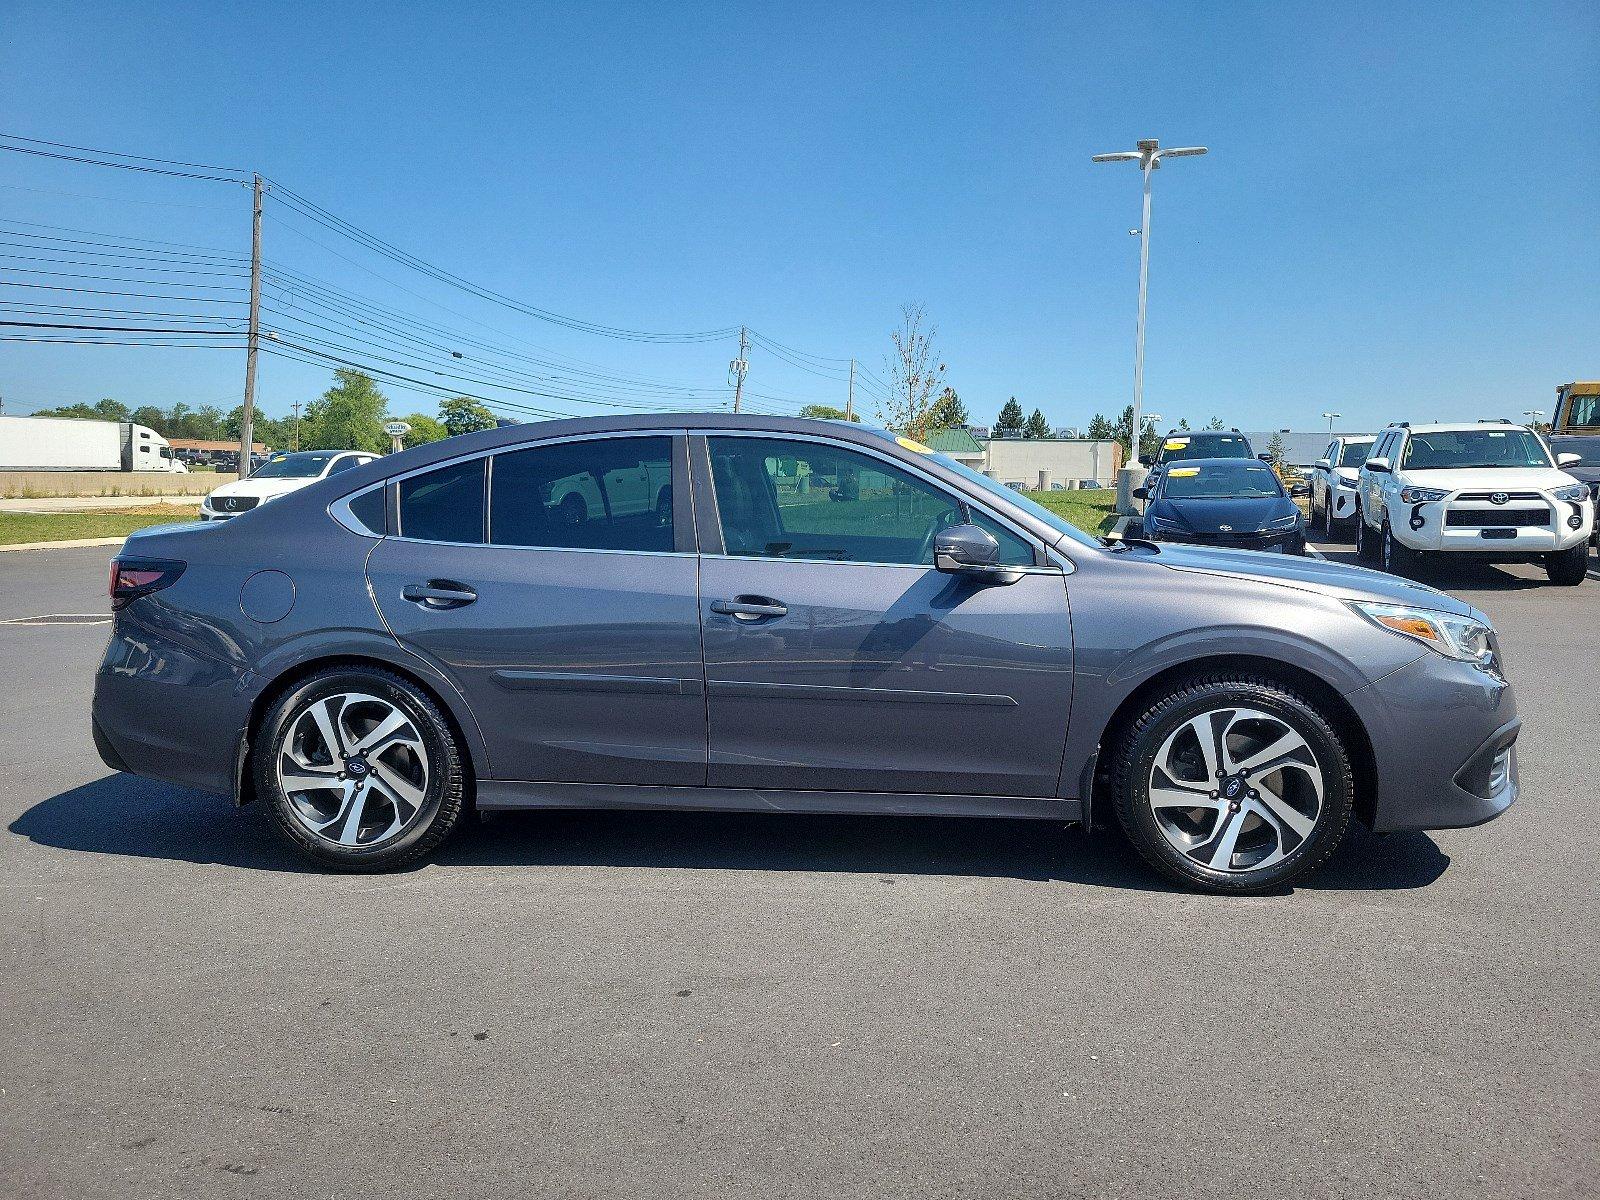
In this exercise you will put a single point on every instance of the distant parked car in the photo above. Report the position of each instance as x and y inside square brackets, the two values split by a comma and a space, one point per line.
[1204, 443]
[278, 476]
[1490, 489]
[1334, 477]
[1239, 503]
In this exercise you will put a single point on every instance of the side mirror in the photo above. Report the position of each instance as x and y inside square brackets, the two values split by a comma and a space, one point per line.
[1568, 460]
[1299, 489]
[1323, 463]
[1146, 461]
[1379, 465]
[970, 550]
[1266, 458]
[1141, 493]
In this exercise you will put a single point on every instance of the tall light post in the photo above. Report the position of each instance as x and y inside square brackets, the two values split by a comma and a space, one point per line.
[1148, 156]
[1535, 415]
[1331, 418]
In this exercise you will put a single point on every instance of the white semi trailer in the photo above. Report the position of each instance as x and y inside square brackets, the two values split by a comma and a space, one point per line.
[68, 444]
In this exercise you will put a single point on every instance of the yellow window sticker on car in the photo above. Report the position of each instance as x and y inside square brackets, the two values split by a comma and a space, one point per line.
[1183, 472]
[914, 447]
[1175, 443]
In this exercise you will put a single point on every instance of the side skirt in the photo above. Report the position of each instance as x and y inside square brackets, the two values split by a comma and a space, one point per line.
[498, 795]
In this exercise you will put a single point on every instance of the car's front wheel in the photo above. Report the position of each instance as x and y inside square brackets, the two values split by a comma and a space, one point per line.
[1233, 784]
[359, 769]
[1366, 544]
[1568, 567]
[1398, 558]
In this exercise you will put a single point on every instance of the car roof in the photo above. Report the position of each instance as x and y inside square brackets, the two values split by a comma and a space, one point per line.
[1459, 426]
[1185, 464]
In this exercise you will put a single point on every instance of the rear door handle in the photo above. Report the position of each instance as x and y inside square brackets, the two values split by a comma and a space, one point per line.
[749, 608]
[439, 593]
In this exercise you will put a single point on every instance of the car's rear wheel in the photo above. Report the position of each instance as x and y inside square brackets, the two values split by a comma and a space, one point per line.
[1568, 567]
[359, 769]
[1233, 784]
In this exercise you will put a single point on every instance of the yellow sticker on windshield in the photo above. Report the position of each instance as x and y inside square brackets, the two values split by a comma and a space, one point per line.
[914, 447]
[1183, 472]
[1175, 443]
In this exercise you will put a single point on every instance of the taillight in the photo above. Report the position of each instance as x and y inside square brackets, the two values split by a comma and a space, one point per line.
[135, 577]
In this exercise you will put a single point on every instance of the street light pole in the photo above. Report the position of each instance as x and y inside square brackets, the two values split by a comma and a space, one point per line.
[1148, 156]
[1331, 417]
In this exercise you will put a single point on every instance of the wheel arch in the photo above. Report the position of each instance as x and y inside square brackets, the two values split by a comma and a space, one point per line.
[292, 675]
[1346, 722]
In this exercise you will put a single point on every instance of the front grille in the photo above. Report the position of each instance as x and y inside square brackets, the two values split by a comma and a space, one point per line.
[1507, 495]
[234, 504]
[1480, 518]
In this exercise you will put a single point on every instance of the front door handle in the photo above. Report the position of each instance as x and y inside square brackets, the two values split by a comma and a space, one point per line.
[749, 608]
[439, 593]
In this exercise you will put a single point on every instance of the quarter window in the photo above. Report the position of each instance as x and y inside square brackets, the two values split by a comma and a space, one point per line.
[596, 494]
[778, 498]
[445, 505]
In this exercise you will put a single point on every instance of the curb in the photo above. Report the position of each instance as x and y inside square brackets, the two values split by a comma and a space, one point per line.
[70, 544]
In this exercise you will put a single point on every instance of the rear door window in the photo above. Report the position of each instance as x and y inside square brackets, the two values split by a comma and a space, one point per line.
[592, 494]
[444, 505]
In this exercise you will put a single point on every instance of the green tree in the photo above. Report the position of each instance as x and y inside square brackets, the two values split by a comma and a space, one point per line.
[463, 414]
[1102, 430]
[424, 429]
[915, 374]
[1214, 424]
[1009, 423]
[1183, 425]
[825, 412]
[1037, 426]
[151, 417]
[348, 416]
[1276, 451]
[948, 412]
[111, 410]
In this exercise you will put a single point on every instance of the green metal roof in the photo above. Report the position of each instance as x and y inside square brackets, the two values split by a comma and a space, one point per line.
[952, 441]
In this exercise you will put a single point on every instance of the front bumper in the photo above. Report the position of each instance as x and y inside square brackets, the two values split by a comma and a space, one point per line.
[1342, 501]
[1461, 525]
[1443, 737]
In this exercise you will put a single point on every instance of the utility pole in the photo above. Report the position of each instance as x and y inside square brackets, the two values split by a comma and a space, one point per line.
[1148, 156]
[739, 367]
[850, 396]
[247, 423]
[296, 407]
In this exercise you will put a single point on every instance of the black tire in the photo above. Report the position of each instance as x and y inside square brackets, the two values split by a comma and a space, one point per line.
[443, 797]
[1329, 521]
[1398, 558]
[1568, 567]
[1134, 756]
[1366, 544]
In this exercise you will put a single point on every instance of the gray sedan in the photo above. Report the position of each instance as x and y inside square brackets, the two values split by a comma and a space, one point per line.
[725, 612]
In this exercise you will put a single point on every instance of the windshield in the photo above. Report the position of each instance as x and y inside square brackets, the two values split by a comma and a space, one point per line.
[1213, 445]
[1355, 453]
[1461, 449]
[292, 466]
[1583, 412]
[1216, 481]
[1012, 497]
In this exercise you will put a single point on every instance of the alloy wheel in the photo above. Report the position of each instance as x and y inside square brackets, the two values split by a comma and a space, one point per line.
[354, 770]
[1236, 789]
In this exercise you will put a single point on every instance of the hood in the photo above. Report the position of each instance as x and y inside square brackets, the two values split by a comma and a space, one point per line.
[1488, 479]
[1240, 515]
[1311, 575]
[265, 489]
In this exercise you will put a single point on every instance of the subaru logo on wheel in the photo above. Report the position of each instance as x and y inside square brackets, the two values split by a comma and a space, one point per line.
[1499, 498]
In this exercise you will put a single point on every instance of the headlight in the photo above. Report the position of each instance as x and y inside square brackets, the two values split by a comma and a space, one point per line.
[1163, 523]
[1572, 494]
[1284, 522]
[1460, 638]
[1346, 483]
[1416, 495]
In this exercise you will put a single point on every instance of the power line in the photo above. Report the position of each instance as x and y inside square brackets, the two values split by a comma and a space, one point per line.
[106, 158]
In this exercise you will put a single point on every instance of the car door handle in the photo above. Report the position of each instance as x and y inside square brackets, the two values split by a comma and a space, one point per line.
[439, 593]
[749, 608]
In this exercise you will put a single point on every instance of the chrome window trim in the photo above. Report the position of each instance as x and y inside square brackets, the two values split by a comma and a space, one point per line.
[339, 510]
[841, 562]
[939, 485]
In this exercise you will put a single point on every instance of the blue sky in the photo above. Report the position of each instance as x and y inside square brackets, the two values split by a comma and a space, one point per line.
[1399, 217]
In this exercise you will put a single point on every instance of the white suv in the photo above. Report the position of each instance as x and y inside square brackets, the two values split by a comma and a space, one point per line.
[1334, 478]
[1490, 488]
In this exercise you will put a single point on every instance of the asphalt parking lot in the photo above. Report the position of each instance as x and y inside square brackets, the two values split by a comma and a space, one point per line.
[682, 1005]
